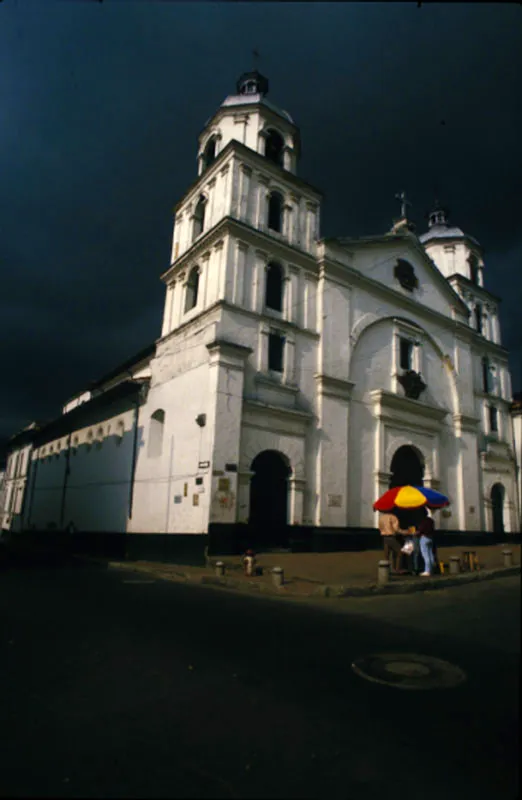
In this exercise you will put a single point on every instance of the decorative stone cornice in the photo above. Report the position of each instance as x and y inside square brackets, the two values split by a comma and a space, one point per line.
[465, 423]
[386, 405]
[278, 411]
[228, 354]
[267, 380]
[232, 348]
[328, 386]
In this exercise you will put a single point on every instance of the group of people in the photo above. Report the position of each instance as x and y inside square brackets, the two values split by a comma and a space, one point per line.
[410, 537]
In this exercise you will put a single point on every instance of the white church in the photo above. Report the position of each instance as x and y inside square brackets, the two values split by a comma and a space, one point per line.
[296, 378]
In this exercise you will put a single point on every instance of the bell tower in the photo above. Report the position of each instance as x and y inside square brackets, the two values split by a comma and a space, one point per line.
[246, 162]
[459, 257]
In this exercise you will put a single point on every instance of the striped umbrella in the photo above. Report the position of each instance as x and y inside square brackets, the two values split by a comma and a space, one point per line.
[410, 497]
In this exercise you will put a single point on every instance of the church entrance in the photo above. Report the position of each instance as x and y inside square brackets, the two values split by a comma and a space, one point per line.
[406, 468]
[268, 517]
[497, 506]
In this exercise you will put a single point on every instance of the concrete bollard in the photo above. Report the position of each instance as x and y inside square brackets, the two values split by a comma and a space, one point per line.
[454, 565]
[383, 572]
[220, 569]
[278, 577]
[508, 558]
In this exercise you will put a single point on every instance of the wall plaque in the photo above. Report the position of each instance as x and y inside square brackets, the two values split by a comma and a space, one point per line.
[177, 498]
[195, 499]
[335, 500]
[223, 484]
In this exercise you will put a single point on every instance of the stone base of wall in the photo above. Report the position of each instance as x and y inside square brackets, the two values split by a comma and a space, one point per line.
[235, 539]
[188, 549]
[194, 549]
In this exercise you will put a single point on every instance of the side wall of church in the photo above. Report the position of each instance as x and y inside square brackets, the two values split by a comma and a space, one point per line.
[96, 491]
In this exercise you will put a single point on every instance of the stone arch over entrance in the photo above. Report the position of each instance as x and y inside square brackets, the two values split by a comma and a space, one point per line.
[269, 504]
[407, 467]
[498, 495]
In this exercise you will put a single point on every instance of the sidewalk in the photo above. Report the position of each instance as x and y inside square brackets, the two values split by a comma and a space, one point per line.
[327, 574]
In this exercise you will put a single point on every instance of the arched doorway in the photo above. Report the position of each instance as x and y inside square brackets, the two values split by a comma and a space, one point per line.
[407, 467]
[497, 507]
[268, 516]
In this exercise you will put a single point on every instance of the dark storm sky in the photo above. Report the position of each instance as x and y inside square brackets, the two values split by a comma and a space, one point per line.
[101, 107]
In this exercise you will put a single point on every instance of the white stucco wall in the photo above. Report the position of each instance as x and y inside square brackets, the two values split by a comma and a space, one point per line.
[98, 484]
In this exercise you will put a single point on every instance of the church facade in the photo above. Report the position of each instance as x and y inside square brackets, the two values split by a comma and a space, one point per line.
[296, 377]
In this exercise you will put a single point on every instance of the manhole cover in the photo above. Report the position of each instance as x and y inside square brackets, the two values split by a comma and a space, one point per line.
[409, 671]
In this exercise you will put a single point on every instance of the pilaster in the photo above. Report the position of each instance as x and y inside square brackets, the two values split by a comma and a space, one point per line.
[297, 487]
[226, 380]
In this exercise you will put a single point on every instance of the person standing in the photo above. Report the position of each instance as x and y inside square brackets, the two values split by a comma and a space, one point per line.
[390, 531]
[426, 532]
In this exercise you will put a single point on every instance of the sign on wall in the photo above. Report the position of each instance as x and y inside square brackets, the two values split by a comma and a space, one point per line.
[335, 500]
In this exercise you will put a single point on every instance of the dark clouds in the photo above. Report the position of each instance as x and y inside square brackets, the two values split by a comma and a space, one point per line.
[102, 105]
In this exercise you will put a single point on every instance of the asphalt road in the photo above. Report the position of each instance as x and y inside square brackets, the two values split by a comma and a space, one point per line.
[114, 686]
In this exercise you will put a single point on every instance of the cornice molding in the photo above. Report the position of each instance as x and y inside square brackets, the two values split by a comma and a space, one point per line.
[466, 423]
[266, 380]
[260, 240]
[385, 403]
[229, 348]
[278, 411]
[328, 386]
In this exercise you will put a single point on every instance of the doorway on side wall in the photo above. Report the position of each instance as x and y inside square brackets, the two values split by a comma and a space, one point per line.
[497, 506]
[268, 518]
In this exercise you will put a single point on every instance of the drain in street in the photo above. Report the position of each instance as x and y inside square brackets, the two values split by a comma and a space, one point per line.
[409, 671]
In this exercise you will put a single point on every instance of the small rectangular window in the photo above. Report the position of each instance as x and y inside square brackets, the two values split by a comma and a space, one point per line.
[493, 419]
[478, 318]
[406, 354]
[276, 344]
[486, 384]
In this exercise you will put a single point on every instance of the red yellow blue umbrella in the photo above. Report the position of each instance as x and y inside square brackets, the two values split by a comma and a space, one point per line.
[410, 497]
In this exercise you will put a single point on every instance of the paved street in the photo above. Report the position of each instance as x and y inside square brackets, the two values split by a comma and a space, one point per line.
[114, 685]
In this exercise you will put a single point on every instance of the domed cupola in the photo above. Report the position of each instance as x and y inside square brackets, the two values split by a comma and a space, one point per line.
[452, 250]
[438, 217]
[248, 117]
[252, 83]
[439, 227]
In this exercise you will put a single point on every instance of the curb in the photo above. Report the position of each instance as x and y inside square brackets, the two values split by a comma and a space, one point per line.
[326, 591]
[407, 587]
